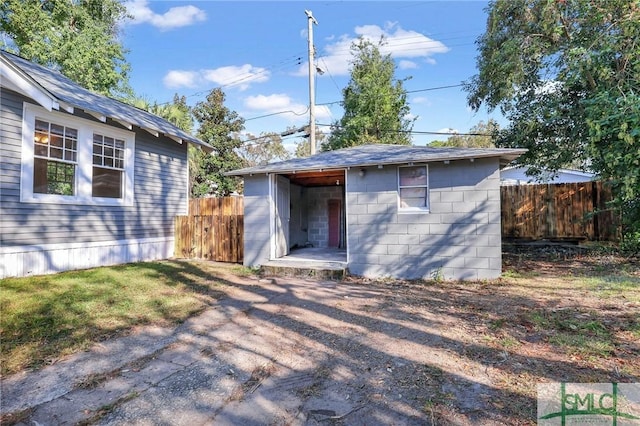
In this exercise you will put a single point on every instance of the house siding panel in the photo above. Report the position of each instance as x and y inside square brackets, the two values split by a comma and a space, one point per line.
[457, 239]
[160, 193]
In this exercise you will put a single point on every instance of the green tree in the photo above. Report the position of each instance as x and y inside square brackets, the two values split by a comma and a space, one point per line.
[179, 114]
[480, 136]
[375, 103]
[220, 127]
[264, 149]
[78, 38]
[566, 73]
[303, 145]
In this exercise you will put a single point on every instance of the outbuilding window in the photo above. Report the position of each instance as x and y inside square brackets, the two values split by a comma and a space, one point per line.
[71, 160]
[413, 188]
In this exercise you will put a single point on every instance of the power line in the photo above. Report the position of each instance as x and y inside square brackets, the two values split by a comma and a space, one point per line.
[421, 132]
[277, 113]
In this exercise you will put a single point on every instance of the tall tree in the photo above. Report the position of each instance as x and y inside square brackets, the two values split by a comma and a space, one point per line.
[179, 114]
[303, 145]
[220, 127]
[375, 103]
[78, 38]
[480, 136]
[566, 73]
[264, 149]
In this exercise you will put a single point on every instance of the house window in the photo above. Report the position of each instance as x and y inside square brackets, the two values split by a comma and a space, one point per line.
[71, 160]
[413, 188]
[108, 166]
[55, 152]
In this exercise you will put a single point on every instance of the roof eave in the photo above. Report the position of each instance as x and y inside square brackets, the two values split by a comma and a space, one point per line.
[26, 85]
[505, 158]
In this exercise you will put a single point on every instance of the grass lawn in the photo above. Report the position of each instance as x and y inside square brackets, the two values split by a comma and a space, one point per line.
[45, 317]
[583, 308]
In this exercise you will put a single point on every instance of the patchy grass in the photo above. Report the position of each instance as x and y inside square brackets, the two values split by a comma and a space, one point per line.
[46, 317]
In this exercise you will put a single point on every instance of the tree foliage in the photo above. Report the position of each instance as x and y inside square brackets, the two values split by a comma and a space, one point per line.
[480, 136]
[78, 38]
[264, 149]
[375, 103]
[220, 127]
[566, 73]
[303, 145]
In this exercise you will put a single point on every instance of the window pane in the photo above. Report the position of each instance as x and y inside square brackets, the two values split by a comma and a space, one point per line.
[41, 138]
[41, 150]
[107, 183]
[56, 141]
[42, 126]
[108, 151]
[413, 176]
[55, 153]
[53, 177]
[57, 129]
[413, 197]
[71, 133]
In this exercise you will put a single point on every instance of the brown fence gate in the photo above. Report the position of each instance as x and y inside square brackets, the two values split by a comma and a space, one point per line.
[558, 211]
[213, 230]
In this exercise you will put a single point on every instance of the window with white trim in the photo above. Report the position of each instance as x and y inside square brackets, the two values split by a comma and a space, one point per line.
[108, 166]
[71, 160]
[55, 152]
[413, 188]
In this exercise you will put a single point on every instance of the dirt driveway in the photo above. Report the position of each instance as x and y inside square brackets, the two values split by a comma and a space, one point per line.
[357, 352]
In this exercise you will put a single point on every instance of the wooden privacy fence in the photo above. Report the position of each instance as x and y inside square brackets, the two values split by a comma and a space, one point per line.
[213, 230]
[558, 211]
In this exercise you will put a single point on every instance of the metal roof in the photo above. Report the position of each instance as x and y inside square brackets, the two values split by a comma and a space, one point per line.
[71, 95]
[379, 154]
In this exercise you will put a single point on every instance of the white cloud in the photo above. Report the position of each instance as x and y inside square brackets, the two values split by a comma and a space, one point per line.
[240, 77]
[176, 17]
[448, 130]
[405, 65]
[269, 103]
[178, 78]
[282, 103]
[401, 44]
[237, 76]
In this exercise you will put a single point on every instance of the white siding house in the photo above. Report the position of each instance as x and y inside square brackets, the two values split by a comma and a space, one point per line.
[84, 180]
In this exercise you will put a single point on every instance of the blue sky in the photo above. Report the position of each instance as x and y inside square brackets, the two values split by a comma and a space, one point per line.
[257, 53]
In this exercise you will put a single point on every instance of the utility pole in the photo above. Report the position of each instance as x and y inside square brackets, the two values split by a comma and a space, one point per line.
[312, 96]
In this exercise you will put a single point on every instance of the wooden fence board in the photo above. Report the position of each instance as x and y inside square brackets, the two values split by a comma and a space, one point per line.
[213, 230]
[558, 211]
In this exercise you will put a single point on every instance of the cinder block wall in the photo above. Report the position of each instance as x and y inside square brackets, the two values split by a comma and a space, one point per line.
[318, 213]
[458, 239]
[256, 220]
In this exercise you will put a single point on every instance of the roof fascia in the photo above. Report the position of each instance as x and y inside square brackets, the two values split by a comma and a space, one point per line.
[503, 157]
[28, 86]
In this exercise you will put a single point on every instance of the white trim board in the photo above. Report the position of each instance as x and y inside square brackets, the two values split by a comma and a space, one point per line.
[19, 261]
